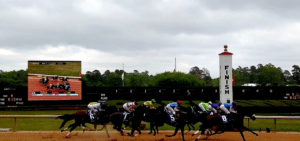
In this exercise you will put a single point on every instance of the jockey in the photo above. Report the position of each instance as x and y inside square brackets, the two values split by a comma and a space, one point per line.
[94, 108]
[172, 107]
[203, 106]
[150, 103]
[129, 106]
[228, 108]
[213, 107]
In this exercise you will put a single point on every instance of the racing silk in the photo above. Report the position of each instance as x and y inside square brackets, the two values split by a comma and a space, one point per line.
[149, 104]
[230, 108]
[171, 107]
[173, 104]
[129, 106]
[213, 107]
[94, 106]
[203, 106]
[227, 106]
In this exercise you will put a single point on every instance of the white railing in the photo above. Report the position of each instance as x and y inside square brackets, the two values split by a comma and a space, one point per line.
[273, 117]
[54, 116]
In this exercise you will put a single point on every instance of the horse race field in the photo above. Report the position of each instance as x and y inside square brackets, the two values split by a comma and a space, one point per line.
[115, 136]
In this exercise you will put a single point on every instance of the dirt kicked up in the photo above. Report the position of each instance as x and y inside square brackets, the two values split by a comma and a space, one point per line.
[115, 136]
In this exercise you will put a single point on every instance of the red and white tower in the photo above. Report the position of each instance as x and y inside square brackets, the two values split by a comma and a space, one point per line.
[225, 86]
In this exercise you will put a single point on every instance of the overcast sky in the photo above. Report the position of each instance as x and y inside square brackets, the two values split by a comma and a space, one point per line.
[149, 34]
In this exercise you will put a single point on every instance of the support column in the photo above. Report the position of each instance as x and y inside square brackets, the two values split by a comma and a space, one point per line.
[225, 79]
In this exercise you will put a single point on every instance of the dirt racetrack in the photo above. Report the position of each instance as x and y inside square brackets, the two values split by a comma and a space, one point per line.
[115, 136]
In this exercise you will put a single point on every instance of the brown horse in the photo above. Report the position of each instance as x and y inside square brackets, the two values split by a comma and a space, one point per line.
[235, 121]
[81, 117]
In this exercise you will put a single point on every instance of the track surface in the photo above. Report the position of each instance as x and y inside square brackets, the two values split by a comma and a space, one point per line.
[115, 136]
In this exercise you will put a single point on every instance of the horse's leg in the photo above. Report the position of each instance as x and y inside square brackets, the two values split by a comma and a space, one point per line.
[156, 129]
[119, 128]
[193, 127]
[216, 132]
[182, 132]
[250, 130]
[202, 132]
[241, 132]
[132, 132]
[104, 126]
[74, 125]
[95, 127]
[196, 132]
[68, 127]
[83, 127]
[138, 129]
[63, 124]
[188, 125]
[151, 127]
[176, 130]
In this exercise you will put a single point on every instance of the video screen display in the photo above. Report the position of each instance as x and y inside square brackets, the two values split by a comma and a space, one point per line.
[54, 80]
[10, 97]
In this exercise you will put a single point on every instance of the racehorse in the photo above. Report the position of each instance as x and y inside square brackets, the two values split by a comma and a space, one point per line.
[148, 117]
[117, 119]
[160, 118]
[193, 113]
[81, 117]
[225, 123]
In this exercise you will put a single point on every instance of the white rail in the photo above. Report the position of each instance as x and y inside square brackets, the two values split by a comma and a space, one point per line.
[54, 116]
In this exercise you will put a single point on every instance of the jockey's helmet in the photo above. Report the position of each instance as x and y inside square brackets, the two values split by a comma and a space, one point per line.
[209, 102]
[153, 100]
[179, 102]
[219, 103]
[233, 103]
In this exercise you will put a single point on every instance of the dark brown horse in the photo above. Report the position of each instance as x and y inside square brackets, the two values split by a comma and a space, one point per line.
[81, 117]
[135, 120]
[225, 123]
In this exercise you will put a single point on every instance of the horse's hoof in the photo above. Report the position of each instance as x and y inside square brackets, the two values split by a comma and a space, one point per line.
[130, 135]
[149, 133]
[196, 139]
[68, 136]
[193, 135]
[62, 130]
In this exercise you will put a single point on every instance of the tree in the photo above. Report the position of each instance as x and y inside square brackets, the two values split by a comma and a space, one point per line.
[269, 75]
[197, 72]
[253, 74]
[179, 79]
[296, 74]
[92, 79]
[288, 77]
[241, 75]
[114, 80]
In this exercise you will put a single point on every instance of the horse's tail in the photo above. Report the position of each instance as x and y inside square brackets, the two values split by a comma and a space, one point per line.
[66, 118]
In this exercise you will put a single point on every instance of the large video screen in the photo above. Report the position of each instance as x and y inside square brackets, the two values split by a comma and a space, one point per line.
[54, 80]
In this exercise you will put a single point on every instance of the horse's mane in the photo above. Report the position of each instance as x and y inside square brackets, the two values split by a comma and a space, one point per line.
[81, 112]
